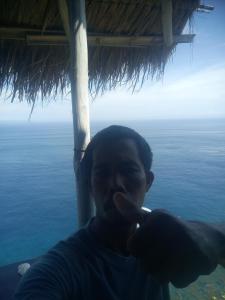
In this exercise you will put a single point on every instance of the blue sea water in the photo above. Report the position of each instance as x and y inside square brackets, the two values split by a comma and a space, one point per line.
[37, 189]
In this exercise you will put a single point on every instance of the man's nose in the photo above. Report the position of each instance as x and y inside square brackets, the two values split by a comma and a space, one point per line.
[117, 182]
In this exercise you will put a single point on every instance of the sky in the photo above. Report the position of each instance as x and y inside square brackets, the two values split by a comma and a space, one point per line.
[193, 85]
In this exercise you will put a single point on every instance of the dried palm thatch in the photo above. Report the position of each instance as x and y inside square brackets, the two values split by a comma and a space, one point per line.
[35, 55]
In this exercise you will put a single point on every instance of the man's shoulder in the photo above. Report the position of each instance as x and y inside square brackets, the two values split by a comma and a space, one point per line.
[72, 248]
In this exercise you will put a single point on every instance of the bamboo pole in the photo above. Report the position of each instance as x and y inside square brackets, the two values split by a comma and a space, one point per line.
[80, 104]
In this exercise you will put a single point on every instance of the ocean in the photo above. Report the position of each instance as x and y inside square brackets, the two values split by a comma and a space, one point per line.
[37, 189]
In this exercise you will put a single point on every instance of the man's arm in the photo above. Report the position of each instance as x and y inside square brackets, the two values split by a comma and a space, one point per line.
[178, 251]
[171, 249]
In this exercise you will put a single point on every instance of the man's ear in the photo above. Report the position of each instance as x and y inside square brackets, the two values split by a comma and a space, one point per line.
[149, 179]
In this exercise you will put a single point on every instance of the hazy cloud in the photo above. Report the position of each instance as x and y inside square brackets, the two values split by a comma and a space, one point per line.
[199, 95]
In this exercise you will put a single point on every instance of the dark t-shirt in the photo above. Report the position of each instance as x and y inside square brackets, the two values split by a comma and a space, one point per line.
[82, 268]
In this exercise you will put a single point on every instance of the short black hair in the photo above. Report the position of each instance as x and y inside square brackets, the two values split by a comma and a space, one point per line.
[114, 132]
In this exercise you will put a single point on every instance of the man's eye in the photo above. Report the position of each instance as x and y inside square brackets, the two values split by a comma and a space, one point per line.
[101, 172]
[130, 170]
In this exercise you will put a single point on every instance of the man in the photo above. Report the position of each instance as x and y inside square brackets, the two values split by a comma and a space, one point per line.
[110, 258]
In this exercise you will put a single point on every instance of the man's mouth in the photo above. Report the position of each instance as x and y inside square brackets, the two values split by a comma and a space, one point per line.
[109, 205]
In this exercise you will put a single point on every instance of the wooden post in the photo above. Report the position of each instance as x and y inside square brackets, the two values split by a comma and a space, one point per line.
[80, 103]
[167, 22]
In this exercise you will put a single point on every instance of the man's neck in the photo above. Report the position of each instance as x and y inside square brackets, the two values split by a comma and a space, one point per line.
[113, 236]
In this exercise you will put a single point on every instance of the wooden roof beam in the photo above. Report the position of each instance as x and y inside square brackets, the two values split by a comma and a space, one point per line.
[63, 9]
[167, 22]
[95, 40]
[205, 8]
[110, 41]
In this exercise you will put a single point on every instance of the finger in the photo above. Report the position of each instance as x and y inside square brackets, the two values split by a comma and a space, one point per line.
[129, 210]
[182, 280]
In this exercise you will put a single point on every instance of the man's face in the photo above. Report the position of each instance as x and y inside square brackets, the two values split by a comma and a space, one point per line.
[117, 168]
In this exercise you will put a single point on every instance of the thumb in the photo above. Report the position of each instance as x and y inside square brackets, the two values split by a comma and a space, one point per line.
[128, 209]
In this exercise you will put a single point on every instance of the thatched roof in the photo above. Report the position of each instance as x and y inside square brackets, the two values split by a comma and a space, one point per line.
[34, 52]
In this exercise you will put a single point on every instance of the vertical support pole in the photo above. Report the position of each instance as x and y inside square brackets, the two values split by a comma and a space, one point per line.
[167, 22]
[80, 103]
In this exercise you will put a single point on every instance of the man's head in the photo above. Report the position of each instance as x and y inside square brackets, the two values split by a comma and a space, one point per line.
[117, 159]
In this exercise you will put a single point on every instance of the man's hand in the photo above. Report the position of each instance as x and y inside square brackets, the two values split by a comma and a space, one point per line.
[170, 249]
